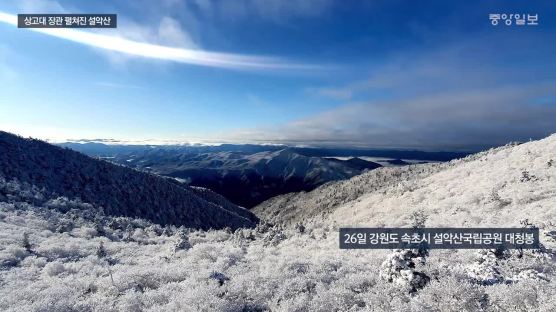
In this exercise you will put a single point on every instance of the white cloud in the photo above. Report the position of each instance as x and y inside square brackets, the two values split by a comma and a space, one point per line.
[162, 52]
[452, 120]
[167, 32]
[170, 33]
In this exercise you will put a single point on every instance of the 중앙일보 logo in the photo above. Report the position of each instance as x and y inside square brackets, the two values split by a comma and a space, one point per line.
[520, 19]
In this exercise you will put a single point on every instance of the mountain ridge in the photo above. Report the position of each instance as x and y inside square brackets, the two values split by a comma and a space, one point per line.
[119, 190]
[245, 178]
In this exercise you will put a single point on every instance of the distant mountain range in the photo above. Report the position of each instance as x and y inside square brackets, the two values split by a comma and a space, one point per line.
[244, 174]
[117, 190]
[103, 149]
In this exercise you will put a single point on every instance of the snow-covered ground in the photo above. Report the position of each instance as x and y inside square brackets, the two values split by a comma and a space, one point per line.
[53, 260]
[497, 188]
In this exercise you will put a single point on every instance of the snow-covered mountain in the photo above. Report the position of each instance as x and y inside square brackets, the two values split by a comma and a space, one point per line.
[65, 260]
[498, 187]
[245, 178]
[248, 179]
[115, 189]
[283, 164]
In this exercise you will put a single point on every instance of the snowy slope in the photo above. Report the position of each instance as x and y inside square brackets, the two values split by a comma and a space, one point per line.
[499, 187]
[312, 206]
[496, 188]
[120, 191]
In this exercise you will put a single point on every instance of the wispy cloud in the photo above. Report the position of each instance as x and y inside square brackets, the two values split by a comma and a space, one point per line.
[162, 52]
[450, 66]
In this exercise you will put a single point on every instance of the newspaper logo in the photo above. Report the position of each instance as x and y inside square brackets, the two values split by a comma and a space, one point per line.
[514, 19]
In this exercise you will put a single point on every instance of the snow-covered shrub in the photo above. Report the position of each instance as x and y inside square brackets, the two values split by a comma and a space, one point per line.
[450, 294]
[219, 277]
[418, 218]
[54, 268]
[522, 296]
[498, 201]
[62, 247]
[526, 176]
[140, 236]
[62, 204]
[529, 274]
[263, 227]
[274, 236]
[154, 230]
[244, 236]
[300, 228]
[101, 252]
[34, 262]
[85, 231]
[399, 269]
[181, 241]
[64, 225]
[484, 270]
[12, 255]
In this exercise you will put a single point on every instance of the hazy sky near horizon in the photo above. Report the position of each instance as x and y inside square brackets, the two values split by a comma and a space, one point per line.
[410, 74]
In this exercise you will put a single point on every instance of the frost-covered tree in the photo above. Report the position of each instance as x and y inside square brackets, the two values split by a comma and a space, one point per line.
[399, 268]
[101, 251]
[181, 241]
[66, 177]
[485, 269]
[25, 242]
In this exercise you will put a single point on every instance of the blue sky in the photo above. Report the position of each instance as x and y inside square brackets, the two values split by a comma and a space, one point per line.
[402, 74]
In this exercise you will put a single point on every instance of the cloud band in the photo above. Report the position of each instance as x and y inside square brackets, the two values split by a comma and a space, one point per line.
[149, 50]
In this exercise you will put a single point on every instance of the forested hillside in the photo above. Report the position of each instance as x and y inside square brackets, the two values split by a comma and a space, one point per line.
[118, 190]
